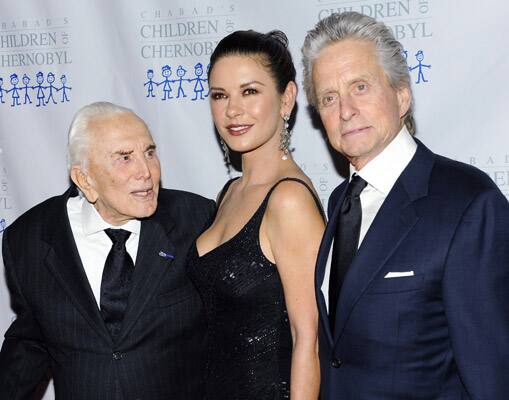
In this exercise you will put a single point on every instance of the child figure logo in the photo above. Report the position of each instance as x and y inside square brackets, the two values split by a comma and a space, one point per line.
[150, 83]
[63, 88]
[180, 73]
[419, 56]
[182, 84]
[3, 224]
[44, 94]
[14, 90]
[26, 81]
[50, 78]
[40, 89]
[166, 73]
[198, 86]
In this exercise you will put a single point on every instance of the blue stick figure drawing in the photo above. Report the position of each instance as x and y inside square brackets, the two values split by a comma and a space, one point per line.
[180, 73]
[3, 225]
[208, 87]
[63, 80]
[150, 83]
[166, 73]
[419, 57]
[26, 81]
[198, 86]
[2, 91]
[39, 77]
[14, 90]
[50, 78]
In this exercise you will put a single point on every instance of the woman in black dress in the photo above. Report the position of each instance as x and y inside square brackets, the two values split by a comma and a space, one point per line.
[254, 266]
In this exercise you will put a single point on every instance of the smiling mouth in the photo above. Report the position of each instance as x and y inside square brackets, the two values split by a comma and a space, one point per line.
[237, 130]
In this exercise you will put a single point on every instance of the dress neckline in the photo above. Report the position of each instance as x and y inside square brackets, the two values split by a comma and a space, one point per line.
[262, 204]
[223, 244]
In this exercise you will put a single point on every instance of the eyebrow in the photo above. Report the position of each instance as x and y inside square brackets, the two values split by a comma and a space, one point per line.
[326, 90]
[123, 152]
[242, 85]
[365, 77]
[251, 82]
[126, 152]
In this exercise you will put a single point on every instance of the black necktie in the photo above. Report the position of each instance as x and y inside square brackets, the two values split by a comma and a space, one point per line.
[116, 281]
[346, 241]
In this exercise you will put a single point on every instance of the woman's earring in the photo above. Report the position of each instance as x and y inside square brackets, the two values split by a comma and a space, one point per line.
[226, 154]
[284, 141]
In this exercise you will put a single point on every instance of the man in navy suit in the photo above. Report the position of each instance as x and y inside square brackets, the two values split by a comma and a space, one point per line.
[414, 302]
[97, 279]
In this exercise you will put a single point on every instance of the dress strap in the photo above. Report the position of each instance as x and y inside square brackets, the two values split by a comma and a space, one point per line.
[315, 198]
[224, 190]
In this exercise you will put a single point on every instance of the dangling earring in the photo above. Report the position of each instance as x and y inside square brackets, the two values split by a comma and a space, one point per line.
[284, 141]
[226, 154]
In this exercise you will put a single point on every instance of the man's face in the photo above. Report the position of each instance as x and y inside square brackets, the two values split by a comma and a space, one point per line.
[123, 169]
[360, 110]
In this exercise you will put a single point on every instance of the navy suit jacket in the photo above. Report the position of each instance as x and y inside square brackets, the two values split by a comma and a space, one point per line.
[159, 354]
[442, 334]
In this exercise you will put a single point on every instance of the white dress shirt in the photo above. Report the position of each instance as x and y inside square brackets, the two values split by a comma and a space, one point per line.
[381, 173]
[92, 242]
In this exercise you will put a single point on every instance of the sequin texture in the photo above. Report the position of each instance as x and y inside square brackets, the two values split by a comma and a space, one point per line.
[249, 337]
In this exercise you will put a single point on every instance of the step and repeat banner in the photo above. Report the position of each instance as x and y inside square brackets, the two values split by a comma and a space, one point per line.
[152, 56]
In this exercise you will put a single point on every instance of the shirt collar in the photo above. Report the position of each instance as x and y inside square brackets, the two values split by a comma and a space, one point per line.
[92, 222]
[383, 171]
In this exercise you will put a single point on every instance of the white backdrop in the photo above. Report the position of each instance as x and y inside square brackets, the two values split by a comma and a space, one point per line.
[104, 49]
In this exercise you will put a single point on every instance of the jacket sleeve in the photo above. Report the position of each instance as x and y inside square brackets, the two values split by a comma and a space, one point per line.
[476, 296]
[24, 360]
[211, 208]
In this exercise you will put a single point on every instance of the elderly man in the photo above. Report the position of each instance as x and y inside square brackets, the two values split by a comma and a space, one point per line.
[98, 281]
[415, 301]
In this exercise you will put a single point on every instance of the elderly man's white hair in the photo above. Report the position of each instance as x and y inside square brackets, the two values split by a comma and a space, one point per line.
[79, 133]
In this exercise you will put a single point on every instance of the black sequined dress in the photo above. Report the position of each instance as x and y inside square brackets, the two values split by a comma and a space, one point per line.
[249, 339]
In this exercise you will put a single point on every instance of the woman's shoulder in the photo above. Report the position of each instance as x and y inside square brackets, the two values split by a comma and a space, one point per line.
[292, 193]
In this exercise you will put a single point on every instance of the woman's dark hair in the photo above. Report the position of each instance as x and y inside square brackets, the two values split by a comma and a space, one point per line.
[272, 47]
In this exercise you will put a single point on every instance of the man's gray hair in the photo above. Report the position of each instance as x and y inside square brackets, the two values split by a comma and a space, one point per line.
[79, 132]
[340, 26]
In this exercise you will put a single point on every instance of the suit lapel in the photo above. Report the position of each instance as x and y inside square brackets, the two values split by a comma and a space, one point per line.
[394, 220]
[392, 223]
[65, 264]
[150, 266]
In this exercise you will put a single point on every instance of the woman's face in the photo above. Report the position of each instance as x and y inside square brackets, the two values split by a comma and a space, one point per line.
[246, 107]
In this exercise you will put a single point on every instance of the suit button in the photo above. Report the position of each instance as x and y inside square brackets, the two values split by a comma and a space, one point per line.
[117, 355]
[336, 363]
